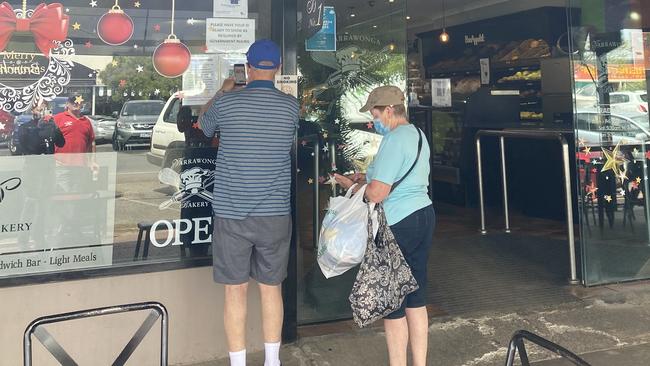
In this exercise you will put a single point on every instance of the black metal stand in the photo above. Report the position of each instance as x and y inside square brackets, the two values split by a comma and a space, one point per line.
[37, 328]
[517, 346]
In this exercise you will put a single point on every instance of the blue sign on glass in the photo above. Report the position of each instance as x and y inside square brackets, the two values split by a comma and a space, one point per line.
[325, 39]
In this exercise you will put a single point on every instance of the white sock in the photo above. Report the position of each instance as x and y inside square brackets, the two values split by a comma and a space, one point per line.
[272, 354]
[238, 358]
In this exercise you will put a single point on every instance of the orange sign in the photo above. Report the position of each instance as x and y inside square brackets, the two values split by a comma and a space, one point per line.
[618, 72]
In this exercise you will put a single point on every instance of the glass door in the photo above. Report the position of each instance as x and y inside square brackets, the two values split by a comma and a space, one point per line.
[611, 56]
[358, 45]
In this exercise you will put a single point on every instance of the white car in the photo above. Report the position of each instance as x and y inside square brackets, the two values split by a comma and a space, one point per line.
[167, 143]
[623, 102]
[629, 103]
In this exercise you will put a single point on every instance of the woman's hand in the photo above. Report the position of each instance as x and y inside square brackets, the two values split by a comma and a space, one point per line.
[343, 181]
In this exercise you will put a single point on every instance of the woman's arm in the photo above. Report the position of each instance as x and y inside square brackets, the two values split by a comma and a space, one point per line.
[377, 191]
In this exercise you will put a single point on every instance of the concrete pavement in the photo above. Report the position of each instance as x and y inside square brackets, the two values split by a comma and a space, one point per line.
[610, 325]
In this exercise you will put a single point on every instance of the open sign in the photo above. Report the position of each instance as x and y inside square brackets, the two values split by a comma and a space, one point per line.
[200, 226]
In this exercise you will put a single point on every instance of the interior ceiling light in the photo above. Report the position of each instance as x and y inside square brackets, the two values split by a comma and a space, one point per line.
[408, 17]
[634, 15]
[444, 36]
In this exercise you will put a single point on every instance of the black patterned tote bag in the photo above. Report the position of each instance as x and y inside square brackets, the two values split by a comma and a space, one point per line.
[384, 278]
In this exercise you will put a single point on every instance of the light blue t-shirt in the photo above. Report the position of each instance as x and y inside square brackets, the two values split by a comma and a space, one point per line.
[396, 155]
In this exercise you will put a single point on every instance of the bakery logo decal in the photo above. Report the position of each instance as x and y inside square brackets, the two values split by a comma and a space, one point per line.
[9, 185]
[475, 40]
[194, 192]
[193, 182]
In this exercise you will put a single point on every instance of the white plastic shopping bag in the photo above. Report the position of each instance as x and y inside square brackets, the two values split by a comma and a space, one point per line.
[344, 233]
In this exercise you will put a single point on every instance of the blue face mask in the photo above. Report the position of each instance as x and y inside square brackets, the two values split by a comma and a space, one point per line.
[380, 128]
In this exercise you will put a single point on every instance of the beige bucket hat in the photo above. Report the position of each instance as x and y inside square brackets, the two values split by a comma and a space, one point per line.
[384, 96]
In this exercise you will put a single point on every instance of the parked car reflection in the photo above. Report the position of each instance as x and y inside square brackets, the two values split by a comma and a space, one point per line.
[135, 123]
[625, 129]
[104, 128]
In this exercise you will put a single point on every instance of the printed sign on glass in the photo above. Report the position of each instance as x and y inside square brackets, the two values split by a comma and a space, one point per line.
[56, 214]
[312, 17]
[229, 35]
[194, 196]
[325, 39]
[288, 84]
[230, 9]
[201, 81]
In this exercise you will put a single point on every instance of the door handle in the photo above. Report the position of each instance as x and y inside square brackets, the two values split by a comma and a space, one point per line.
[316, 209]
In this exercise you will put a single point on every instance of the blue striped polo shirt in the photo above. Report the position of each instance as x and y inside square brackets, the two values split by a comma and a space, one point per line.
[257, 127]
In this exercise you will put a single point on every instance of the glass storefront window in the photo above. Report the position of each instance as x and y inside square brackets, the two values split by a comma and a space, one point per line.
[610, 63]
[125, 187]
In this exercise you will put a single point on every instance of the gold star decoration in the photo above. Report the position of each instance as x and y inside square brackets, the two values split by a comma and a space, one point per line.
[622, 175]
[310, 181]
[114, 63]
[608, 198]
[137, 4]
[79, 99]
[587, 150]
[325, 135]
[76, 26]
[581, 142]
[638, 180]
[613, 159]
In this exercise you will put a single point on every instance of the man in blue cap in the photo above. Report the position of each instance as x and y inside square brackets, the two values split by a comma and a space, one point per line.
[252, 190]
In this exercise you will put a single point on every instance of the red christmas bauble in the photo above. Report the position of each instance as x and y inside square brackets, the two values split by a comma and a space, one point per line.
[115, 27]
[171, 58]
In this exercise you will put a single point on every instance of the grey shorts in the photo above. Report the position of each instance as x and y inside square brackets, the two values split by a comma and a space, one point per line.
[255, 247]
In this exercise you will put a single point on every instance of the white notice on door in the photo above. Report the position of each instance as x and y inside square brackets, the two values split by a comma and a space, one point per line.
[287, 84]
[230, 8]
[229, 35]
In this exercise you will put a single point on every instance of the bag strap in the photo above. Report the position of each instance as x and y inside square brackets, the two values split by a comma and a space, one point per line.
[417, 157]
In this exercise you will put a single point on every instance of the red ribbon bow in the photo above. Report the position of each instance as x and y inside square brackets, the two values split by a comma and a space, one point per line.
[48, 23]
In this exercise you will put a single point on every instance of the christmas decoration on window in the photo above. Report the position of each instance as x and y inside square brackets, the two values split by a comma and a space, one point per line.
[115, 28]
[48, 24]
[172, 58]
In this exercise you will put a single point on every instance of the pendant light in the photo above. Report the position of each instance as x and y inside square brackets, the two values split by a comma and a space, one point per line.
[444, 36]
[392, 45]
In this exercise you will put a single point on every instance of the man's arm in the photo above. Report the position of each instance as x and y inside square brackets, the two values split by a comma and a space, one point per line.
[209, 122]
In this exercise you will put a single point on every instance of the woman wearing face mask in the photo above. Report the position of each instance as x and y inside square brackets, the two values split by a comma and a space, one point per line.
[409, 213]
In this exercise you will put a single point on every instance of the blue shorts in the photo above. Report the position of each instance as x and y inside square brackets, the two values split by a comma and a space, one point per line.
[414, 235]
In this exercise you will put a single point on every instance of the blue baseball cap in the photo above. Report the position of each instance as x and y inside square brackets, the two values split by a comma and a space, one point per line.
[264, 54]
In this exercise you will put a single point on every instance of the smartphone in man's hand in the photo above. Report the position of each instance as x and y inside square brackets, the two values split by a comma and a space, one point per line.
[239, 74]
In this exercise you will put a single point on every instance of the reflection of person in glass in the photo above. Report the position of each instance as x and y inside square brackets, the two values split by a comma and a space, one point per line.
[36, 137]
[40, 135]
[75, 172]
[188, 125]
[252, 192]
[398, 165]
[79, 141]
